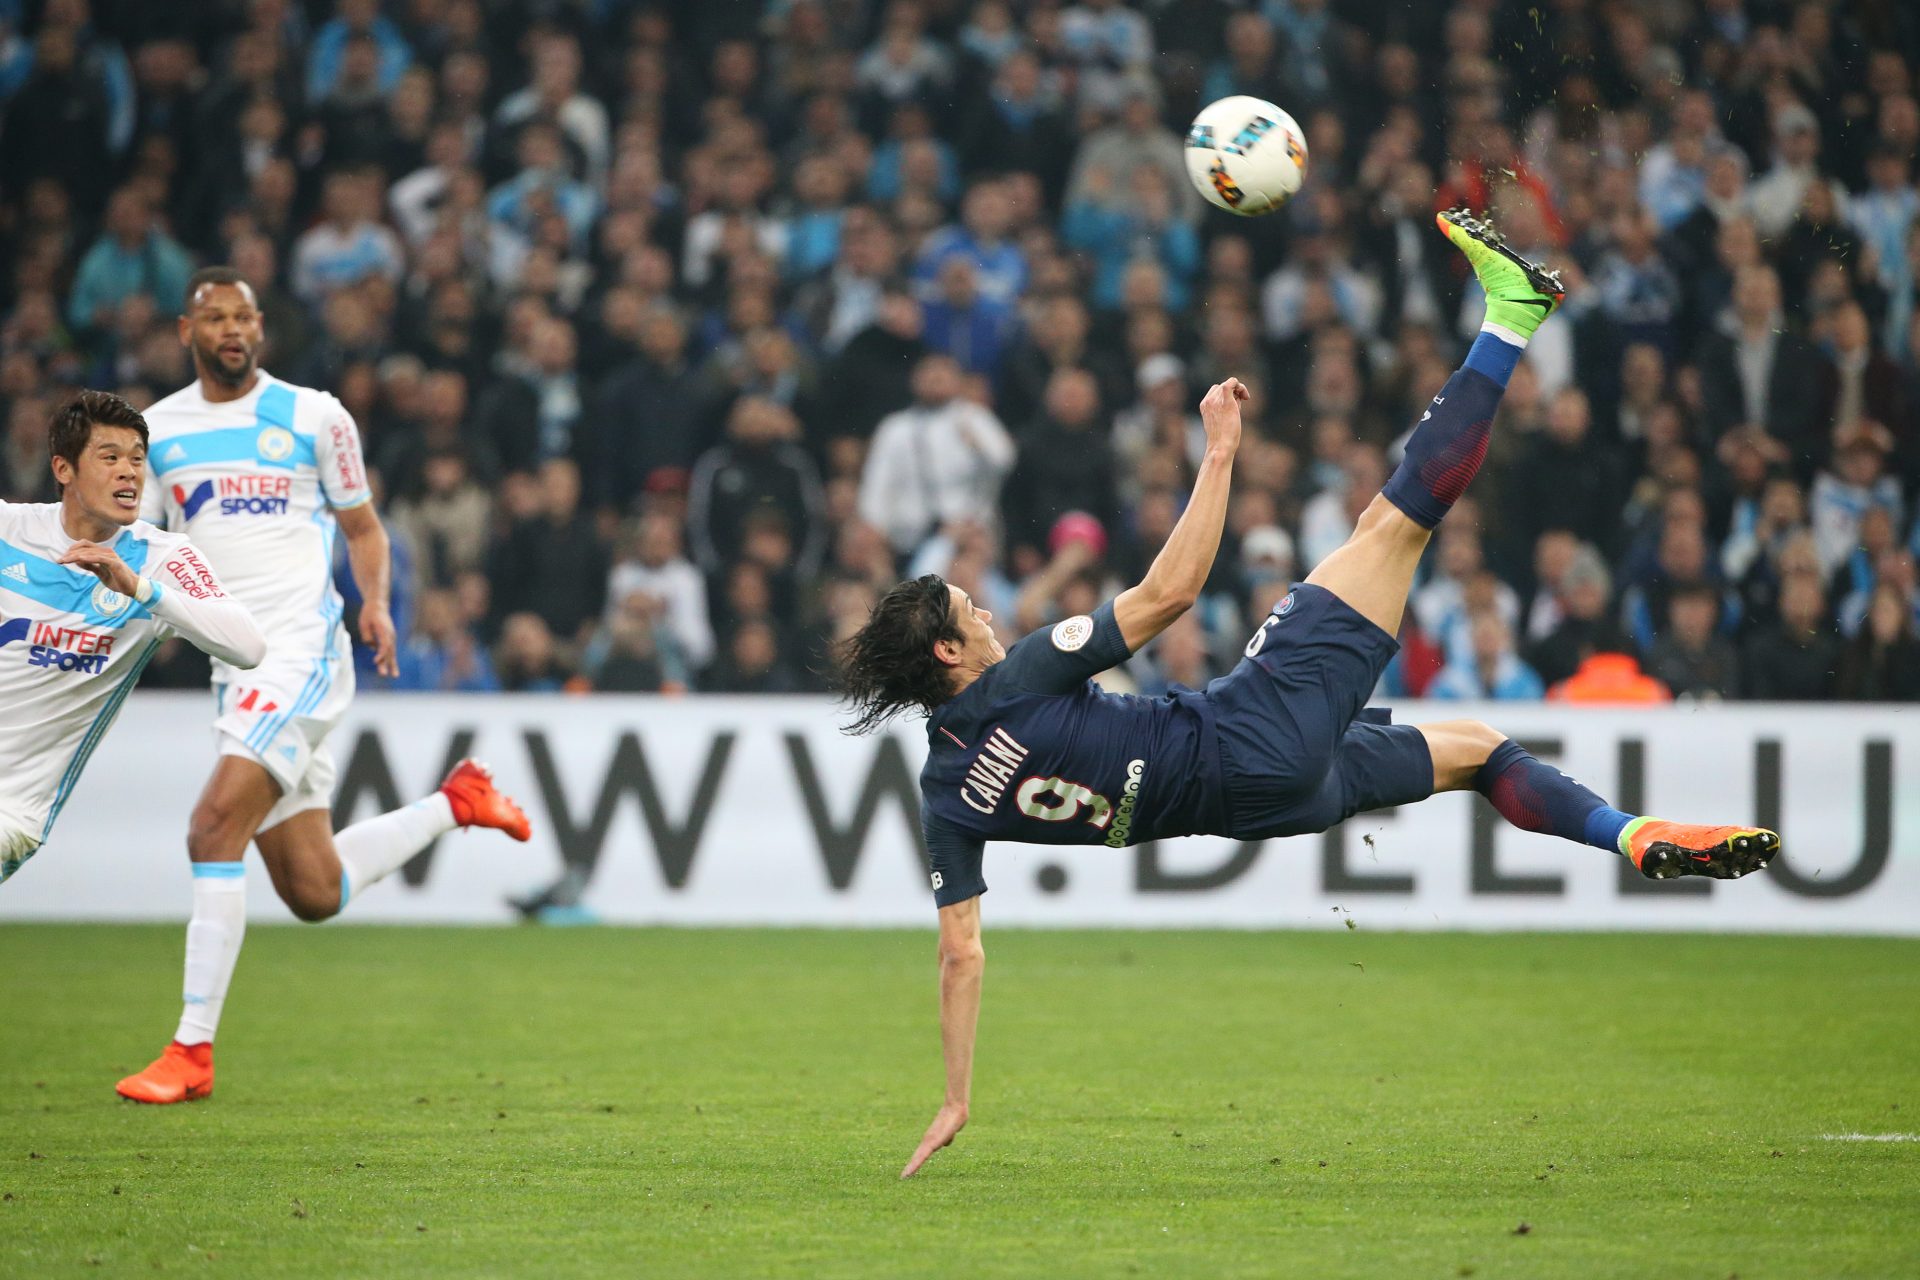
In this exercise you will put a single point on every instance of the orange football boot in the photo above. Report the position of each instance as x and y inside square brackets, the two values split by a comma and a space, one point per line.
[478, 803]
[1663, 850]
[181, 1073]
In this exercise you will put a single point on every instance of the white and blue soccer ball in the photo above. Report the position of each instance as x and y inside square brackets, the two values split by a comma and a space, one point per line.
[1246, 155]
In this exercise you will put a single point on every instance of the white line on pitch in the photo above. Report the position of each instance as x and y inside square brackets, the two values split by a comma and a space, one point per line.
[1870, 1137]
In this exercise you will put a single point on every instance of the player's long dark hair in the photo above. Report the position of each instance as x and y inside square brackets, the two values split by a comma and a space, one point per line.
[888, 665]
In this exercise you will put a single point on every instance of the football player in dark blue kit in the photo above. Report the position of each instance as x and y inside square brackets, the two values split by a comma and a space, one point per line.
[1022, 745]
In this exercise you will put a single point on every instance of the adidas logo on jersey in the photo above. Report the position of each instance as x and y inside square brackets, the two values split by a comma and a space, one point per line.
[17, 571]
[174, 454]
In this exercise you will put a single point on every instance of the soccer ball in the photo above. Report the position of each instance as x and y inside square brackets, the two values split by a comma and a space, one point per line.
[1246, 155]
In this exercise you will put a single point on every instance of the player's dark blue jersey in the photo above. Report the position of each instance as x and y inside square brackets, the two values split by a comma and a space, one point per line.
[1034, 751]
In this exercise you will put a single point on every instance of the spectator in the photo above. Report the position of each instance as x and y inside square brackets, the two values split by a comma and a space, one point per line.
[631, 652]
[1633, 287]
[1862, 385]
[1586, 483]
[983, 239]
[760, 465]
[443, 655]
[648, 421]
[355, 19]
[62, 122]
[543, 185]
[973, 329]
[1795, 659]
[553, 94]
[655, 565]
[1062, 465]
[1329, 517]
[1439, 605]
[349, 245]
[535, 416]
[1882, 662]
[529, 661]
[1108, 156]
[131, 257]
[753, 663]
[1776, 197]
[1841, 496]
[550, 565]
[1019, 126]
[449, 523]
[1756, 372]
[1491, 670]
[1177, 658]
[1689, 657]
[1108, 40]
[942, 459]
[873, 375]
[1587, 627]
[1118, 227]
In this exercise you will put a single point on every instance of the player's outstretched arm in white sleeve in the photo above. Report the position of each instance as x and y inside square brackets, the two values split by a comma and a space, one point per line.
[189, 598]
[183, 593]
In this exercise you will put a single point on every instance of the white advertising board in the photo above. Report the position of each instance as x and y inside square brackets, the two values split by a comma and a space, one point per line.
[739, 811]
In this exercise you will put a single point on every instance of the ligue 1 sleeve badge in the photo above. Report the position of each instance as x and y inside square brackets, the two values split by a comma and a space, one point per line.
[1071, 634]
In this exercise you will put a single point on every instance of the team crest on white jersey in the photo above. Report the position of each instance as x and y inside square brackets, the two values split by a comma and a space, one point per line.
[276, 444]
[1072, 633]
[108, 601]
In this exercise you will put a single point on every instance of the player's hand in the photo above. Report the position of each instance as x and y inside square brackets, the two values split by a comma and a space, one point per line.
[103, 563]
[1220, 414]
[951, 1120]
[376, 632]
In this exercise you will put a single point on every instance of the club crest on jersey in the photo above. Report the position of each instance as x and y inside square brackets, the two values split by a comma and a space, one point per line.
[276, 444]
[1071, 634]
[108, 602]
[1285, 606]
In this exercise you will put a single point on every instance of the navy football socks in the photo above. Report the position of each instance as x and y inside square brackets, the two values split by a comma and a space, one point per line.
[1449, 444]
[1537, 797]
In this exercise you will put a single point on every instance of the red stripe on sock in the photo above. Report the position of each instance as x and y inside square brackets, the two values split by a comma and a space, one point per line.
[1447, 474]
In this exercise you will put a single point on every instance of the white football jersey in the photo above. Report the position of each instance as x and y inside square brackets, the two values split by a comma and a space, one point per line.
[71, 648]
[255, 482]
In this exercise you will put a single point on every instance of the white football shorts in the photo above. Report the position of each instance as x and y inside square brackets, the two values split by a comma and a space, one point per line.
[279, 714]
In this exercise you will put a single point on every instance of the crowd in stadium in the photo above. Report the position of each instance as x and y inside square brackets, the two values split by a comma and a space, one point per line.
[676, 332]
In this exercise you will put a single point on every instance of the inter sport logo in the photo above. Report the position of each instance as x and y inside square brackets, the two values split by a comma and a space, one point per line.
[58, 648]
[237, 495]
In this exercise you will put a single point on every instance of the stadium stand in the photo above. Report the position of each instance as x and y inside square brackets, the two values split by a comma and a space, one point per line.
[677, 331]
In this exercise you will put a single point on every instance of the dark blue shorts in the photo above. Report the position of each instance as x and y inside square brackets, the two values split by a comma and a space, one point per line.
[1299, 750]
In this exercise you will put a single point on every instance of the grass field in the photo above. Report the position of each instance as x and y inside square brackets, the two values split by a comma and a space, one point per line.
[738, 1103]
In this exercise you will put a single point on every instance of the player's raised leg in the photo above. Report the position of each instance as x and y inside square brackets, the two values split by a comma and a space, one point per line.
[315, 872]
[1373, 571]
[1538, 797]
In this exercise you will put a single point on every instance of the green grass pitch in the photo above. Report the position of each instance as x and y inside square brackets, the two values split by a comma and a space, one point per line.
[739, 1102]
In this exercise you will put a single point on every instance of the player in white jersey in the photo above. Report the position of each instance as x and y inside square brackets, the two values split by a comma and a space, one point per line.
[88, 590]
[265, 475]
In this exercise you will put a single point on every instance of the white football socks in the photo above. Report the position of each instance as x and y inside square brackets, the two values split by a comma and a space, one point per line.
[372, 850]
[213, 946]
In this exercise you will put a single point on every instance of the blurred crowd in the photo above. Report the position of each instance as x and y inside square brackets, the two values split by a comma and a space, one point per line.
[677, 331]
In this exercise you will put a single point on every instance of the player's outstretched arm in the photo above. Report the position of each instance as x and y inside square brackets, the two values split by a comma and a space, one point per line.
[371, 556]
[962, 963]
[185, 595]
[1173, 582]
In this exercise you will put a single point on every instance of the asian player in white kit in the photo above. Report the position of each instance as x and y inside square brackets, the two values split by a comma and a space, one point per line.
[265, 475]
[88, 591]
